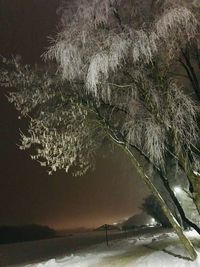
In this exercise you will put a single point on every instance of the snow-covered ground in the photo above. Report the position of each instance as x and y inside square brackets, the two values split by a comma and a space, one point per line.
[161, 250]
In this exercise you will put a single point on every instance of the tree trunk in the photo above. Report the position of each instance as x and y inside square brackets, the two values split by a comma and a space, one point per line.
[193, 179]
[177, 228]
[165, 180]
[179, 207]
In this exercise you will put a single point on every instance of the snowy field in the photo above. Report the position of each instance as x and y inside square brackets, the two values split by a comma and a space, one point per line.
[161, 250]
[150, 249]
[17, 254]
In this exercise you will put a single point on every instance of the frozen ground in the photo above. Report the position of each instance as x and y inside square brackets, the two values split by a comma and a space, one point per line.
[161, 250]
[19, 254]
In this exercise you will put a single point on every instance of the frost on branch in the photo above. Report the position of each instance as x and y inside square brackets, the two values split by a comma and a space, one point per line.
[69, 59]
[103, 54]
[119, 67]
[63, 139]
[181, 115]
[61, 132]
[96, 41]
[176, 28]
[144, 46]
[179, 21]
[99, 66]
[96, 12]
[162, 116]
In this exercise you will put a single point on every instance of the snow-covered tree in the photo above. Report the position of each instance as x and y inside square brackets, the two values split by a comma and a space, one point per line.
[113, 82]
[123, 55]
[188, 61]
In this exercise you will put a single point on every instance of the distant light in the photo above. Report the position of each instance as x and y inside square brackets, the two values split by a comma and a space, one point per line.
[115, 223]
[153, 220]
[177, 189]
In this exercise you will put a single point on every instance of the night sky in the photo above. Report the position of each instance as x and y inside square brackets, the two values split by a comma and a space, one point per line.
[27, 194]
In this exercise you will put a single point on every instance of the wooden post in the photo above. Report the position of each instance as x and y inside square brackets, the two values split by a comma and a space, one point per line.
[106, 229]
[125, 231]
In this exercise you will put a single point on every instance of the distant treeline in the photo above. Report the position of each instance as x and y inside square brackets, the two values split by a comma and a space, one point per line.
[11, 234]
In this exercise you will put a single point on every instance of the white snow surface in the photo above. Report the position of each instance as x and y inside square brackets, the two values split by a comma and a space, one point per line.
[196, 173]
[162, 250]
